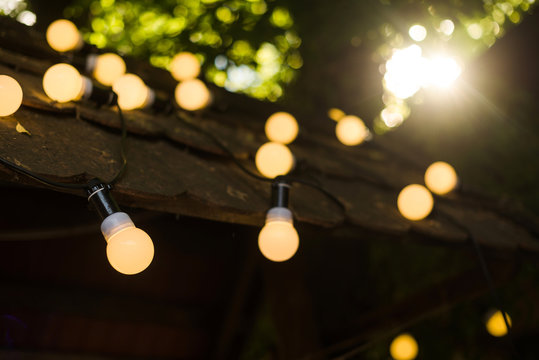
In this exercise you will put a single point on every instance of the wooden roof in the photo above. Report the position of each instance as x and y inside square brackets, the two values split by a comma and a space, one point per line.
[177, 170]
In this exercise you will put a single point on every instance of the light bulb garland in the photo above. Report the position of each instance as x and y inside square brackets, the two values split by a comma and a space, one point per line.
[10, 95]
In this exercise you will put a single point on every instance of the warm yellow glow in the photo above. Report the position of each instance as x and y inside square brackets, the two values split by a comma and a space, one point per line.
[442, 72]
[417, 33]
[278, 240]
[496, 325]
[184, 66]
[132, 92]
[108, 68]
[63, 35]
[281, 127]
[441, 178]
[192, 95]
[336, 114]
[130, 251]
[273, 159]
[415, 202]
[447, 27]
[63, 83]
[10, 95]
[351, 130]
[403, 347]
[405, 72]
[475, 31]
[392, 116]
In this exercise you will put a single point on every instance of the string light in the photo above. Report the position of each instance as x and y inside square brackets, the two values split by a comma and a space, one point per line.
[192, 95]
[496, 324]
[278, 240]
[441, 178]
[63, 83]
[129, 249]
[273, 159]
[404, 347]
[184, 66]
[10, 95]
[281, 127]
[107, 68]
[415, 202]
[132, 92]
[62, 35]
[351, 130]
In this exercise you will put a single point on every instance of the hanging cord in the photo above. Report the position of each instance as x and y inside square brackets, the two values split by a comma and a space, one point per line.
[289, 179]
[486, 272]
[59, 185]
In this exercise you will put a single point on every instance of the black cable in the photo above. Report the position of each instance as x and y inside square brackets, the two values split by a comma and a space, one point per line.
[486, 272]
[60, 185]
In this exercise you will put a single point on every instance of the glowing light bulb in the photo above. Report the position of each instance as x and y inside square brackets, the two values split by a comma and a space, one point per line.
[62, 35]
[63, 83]
[278, 240]
[496, 325]
[403, 347]
[441, 178]
[442, 72]
[351, 130]
[129, 249]
[184, 66]
[108, 68]
[336, 114]
[192, 95]
[415, 202]
[132, 92]
[417, 33]
[273, 159]
[281, 127]
[10, 95]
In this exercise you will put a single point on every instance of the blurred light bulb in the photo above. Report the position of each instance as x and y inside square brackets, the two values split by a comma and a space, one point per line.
[129, 249]
[132, 92]
[417, 32]
[336, 114]
[278, 240]
[184, 66]
[281, 127]
[415, 202]
[273, 159]
[10, 95]
[63, 83]
[447, 27]
[108, 68]
[403, 347]
[441, 178]
[192, 95]
[496, 324]
[442, 72]
[62, 35]
[405, 72]
[351, 130]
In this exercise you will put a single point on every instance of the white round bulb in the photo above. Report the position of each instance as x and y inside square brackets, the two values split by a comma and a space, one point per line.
[278, 240]
[62, 35]
[441, 178]
[184, 66]
[192, 95]
[63, 83]
[108, 68]
[10, 95]
[281, 127]
[351, 130]
[415, 202]
[132, 92]
[273, 159]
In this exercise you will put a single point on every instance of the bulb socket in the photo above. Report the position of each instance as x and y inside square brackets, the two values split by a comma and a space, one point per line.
[279, 193]
[99, 195]
[279, 214]
[115, 223]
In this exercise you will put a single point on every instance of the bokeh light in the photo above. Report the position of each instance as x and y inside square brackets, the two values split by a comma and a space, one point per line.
[441, 178]
[10, 95]
[184, 66]
[336, 114]
[281, 127]
[447, 27]
[192, 95]
[417, 32]
[109, 67]
[496, 324]
[442, 72]
[404, 347]
[415, 202]
[63, 83]
[62, 35]
[405, 72]
[273, 159]
[132, 92]
[351, 130]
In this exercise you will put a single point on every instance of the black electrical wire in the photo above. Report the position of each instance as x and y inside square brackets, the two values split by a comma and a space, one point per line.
[60, 185]
[289, 179]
